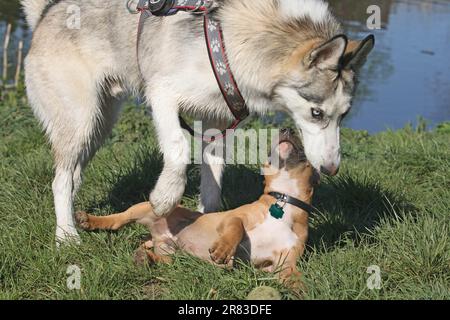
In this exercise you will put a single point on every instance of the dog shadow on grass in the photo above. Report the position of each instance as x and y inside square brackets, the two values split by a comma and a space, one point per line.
[134, 184]
[345, 205]
[349, 207]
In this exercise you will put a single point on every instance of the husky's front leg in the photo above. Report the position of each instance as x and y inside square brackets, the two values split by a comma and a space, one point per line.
[175, 147]
[211, 184]
[213, 165]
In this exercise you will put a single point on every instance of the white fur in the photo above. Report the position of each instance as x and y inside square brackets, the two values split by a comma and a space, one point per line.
[270, 237]
[210, 187]
[316, 10]
[62, 189]
[66, 74]
[321, 142]
[285, 184]
[33, 10]
[175, 147]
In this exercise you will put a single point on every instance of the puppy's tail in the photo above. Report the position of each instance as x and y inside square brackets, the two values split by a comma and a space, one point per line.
[34, 10]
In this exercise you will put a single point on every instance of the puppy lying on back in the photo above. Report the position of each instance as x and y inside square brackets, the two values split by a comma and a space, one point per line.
[271, 232]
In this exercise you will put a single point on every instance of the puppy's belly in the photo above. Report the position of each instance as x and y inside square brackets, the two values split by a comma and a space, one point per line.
[270, 240]
[197, 241]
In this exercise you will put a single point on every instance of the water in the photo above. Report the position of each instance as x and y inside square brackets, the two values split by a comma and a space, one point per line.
[407, 75]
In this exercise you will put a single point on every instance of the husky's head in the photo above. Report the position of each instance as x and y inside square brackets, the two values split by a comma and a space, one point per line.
[317, 91]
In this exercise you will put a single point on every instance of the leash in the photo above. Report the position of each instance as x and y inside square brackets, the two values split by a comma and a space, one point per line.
[277, 210]
[216, 52]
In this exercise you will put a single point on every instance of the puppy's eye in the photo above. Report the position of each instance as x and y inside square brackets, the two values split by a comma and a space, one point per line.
[317, 114]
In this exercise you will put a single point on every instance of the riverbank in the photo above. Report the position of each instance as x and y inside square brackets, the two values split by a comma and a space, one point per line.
[389, 207]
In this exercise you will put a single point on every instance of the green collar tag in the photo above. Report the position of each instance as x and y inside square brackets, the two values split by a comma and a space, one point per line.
[276, 211]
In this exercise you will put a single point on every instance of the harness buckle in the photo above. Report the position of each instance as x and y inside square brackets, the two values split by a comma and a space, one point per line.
[161, 7]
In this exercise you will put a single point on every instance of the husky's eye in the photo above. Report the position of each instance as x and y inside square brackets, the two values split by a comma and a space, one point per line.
[317, 114]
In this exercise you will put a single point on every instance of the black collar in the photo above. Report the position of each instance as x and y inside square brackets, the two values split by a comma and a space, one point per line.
[284, 198]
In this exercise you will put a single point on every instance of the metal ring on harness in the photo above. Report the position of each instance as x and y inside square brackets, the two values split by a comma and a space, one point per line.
[194, 9]
[213, 31]
[161, 8]
[197, 8]
[130, 10]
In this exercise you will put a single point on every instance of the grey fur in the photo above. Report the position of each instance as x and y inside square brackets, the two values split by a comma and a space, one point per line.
[77, 79]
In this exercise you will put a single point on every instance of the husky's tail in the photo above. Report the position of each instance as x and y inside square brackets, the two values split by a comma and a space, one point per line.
[34, 10]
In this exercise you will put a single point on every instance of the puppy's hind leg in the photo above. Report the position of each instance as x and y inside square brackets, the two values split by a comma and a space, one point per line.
[146, 255]
[141, 213]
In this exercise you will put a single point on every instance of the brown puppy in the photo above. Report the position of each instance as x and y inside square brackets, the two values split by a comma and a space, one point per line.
[271, 238]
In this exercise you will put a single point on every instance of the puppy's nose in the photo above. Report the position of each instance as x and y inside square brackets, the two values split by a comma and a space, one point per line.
[287, 132]
[330, 170]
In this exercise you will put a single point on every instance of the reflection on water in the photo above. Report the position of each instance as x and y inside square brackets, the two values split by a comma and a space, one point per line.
[407, 75]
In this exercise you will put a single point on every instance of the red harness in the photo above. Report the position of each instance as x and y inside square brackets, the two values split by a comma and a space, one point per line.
[217, 56]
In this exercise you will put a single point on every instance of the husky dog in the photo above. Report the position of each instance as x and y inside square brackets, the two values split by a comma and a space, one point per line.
[287, 55]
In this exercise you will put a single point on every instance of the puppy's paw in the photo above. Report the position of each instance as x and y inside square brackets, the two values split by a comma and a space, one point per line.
[141, 256]
[222, 252]
[82, 219]
[293, 281]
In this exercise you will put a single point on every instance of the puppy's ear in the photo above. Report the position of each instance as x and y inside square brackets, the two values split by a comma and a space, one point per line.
[328, 55]
[356, 53]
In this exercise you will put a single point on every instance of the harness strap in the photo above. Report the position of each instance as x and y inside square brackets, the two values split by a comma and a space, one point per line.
[216, 52]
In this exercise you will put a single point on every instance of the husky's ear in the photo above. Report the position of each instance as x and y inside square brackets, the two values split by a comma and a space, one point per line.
[329, 54]
[356, 53]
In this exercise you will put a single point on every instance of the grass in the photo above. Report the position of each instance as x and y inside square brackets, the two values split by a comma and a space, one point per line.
[389, 207]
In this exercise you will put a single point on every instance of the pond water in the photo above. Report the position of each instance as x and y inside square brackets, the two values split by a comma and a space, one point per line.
[407, 75]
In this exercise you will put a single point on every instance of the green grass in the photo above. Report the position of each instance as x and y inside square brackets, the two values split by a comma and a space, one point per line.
[390, 206]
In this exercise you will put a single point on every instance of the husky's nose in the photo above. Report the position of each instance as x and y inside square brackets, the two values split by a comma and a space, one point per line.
[330, 170]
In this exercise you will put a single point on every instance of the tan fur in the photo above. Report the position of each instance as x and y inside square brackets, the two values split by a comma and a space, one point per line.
[301, 53]
[216, 237]
[78, 77]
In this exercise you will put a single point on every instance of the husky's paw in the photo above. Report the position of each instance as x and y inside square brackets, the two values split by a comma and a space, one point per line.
[162, 208]
[222, 252]
[67, 236]
[168, 192]
[82, 219]
[163, 203]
